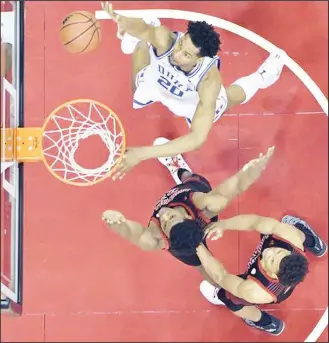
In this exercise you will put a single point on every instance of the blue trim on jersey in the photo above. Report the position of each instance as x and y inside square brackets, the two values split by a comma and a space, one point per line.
[169, 50]
[196, 70]
[140, 75]
[141, 104]
[206, 70]
[190, 73]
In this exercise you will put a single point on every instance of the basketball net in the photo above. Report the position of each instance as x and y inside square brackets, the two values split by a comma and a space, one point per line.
[57, 141]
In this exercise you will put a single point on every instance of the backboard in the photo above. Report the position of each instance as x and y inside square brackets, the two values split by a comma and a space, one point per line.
[12, 62]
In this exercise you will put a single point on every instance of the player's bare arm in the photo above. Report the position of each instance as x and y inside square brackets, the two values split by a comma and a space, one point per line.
[244, 289]
[201, 124]
[253, 222]
[160, 37]
[132, 231]
[216, 200]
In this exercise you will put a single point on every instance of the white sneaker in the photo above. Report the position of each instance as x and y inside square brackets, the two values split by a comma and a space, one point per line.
[128, 42]
[271, 69]
[172, 163]
[210, 292]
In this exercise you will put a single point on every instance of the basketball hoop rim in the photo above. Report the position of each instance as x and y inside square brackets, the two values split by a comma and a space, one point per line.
[118, 161]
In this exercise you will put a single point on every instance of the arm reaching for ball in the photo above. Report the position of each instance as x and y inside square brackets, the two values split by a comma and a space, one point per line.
[160, 36]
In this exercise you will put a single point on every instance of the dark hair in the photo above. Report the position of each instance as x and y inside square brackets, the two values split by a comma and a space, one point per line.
[186, 236]
[293, 269]
[204, 37]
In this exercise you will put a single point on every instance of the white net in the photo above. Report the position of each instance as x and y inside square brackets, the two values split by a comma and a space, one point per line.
[64, 133]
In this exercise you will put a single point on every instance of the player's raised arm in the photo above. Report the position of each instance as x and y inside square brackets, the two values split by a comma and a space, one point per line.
[216, 200]
[159, 36]
[134, 232]
[263, 225]
[201, 123]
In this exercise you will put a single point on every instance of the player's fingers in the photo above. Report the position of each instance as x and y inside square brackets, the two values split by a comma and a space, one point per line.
[217, 235]
[122, 176]
[210, 233]
[271, 150]
[120, 170]
[113, 14]
[105, 6]
[210, 227]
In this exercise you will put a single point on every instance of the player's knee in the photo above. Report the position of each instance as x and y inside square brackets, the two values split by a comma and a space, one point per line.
[235, 96]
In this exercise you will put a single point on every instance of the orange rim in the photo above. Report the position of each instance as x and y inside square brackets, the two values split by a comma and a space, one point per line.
[117, 162]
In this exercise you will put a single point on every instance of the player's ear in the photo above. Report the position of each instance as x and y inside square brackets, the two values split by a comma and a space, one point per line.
[187, 216]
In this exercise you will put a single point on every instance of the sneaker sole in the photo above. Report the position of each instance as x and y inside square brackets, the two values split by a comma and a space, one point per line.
[279, 333]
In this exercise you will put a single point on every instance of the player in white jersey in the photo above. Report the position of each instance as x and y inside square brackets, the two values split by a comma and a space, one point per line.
[165, 82]
[181, 70]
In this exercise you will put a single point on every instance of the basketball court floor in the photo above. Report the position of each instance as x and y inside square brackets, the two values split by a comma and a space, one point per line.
[81, 282]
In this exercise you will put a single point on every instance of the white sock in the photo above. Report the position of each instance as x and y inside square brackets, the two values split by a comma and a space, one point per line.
[250, 84]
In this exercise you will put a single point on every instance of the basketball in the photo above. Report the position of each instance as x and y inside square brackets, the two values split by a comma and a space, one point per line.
[80, 32]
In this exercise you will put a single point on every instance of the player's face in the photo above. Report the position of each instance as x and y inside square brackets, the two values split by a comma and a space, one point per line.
[271, 259]
[169, 217]
[185, 53]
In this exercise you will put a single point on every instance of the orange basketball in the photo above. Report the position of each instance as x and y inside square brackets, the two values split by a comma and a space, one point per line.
[80, 32]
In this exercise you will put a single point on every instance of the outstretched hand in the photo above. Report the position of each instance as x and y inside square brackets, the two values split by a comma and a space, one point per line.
[259, 163]
[113, 217]
[108, 8]
[131, 158]
[214, 231]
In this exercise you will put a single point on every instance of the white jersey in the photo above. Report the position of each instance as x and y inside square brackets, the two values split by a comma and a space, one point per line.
[178, 90]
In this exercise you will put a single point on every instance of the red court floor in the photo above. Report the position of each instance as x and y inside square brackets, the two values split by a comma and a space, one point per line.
[82, 282]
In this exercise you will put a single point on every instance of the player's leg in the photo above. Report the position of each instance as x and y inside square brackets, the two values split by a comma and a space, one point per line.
[181, 171]
[177, 166]
[243, 89]
[249, 313]
[261, 320]
[313, 243]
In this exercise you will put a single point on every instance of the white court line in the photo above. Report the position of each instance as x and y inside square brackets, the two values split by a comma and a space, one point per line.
[263, 43]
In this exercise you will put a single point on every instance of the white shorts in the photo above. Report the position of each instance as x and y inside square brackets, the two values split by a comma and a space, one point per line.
[146, 94]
